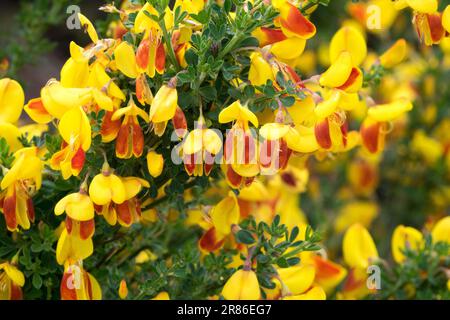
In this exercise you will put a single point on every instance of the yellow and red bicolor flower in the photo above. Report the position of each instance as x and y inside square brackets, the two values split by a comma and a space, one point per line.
[343, 74]
[18, 186]
[149, 58]
[200, 148]
[78, 284]
[164, 107]
[405, 238]
[75, 241]
[242, 285]
[331, 133]
[328, 273]
[11, 282]
[375, 127]
[292, 281]
[130, 138]
[428, 21]
[241, 146]
[75, 129]
[292, 22]
[11, 100]
[223, 217]
[351, 40]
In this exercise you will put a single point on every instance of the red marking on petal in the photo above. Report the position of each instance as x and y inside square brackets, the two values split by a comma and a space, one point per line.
[160, 60]
[138, 139]
[233, 178]
[351, 79]
[123, 141]
[352, 283]
[67, 288]
[209, 241]
[325, 269]
[124, 213]
[370, 136]
[179, 123]
[9, 209]
[69, 225]
[30, 209]
[78, 160]
[189, 163]
[297, 23]
[109, 127]
[265, 157]
[37, 106]
[272, 36]
[284, 154]
[142, 54]
[16, 292]
[437, 31]
[322, 132]
[87, 229]
[344, 131]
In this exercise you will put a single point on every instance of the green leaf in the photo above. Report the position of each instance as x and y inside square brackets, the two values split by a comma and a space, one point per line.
[245, 237]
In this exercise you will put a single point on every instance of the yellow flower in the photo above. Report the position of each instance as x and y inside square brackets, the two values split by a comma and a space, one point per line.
[394, 55]
[441, 231]
[164, 106]
[11, 100]
[315, 293]
[88, 27]
[123, 289]
[358, 247]
[405, 238]
[162, 296]
[242, 285]
[446, 19]
[11, 282]
[260, 70]
[362, 212]
[225, 214]
[73, 246]
[75, 130]
[351, 40]
[107, 187]
[18, 186]
[78, 206]
[155, 163]
[78, 284]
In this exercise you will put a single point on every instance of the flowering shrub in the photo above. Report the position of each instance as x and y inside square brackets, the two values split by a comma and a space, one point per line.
[169, 158]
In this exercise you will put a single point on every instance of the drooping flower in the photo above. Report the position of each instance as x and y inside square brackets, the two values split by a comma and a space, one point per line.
[75, 129]
[405, 238]
[78, 284]
[11, 282]
[130, 138]
[18, 186]
[164, 107]
[200, 147]
[358, 247]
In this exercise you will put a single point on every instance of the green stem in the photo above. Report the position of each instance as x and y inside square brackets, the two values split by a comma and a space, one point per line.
[168, 41]
[230, 45]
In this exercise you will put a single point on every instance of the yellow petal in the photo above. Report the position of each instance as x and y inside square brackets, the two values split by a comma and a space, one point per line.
[78, 206]
[441, 231]
[225, 214]
[394, 55]
[339, 71]
[88, 27]
[75, 74]
[315, 293]
[288, 49]
[260, 70]
[446, 19]
[298, 279]
[75, 125]
[126, 60]
[348, 39]
[155, 164]
[162, 296]
[273, 131]
[329, 106]
[104, 189]
[236, 111]
[212, 141]
[358, 247]
[11, 134]
[423, 6]
[12, 99]
[133, 186]
[14, 274]
[164, 104]
[390, 111]
[402, 238]
[242, 285]
[123, 289]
